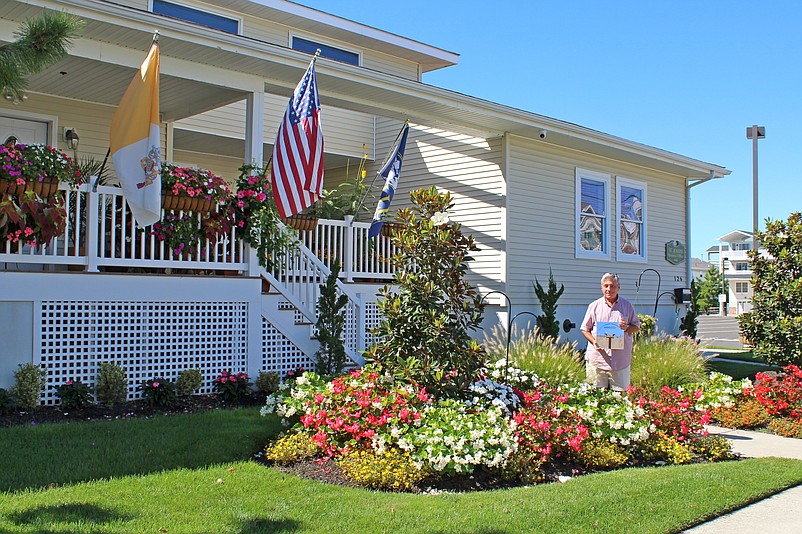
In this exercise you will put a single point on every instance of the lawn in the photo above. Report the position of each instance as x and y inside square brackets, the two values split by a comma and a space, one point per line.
[191, 473]
[739, 370]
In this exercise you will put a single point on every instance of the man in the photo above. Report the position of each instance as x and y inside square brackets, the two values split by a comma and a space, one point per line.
[609, 368]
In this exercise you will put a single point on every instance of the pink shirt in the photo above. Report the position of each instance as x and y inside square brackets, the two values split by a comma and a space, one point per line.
[599, 310]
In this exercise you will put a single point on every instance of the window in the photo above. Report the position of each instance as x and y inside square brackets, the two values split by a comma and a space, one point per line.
[331, 52]
[190, 14]
[592, 219]
[741, 266]
[742, 287]
[631, 197]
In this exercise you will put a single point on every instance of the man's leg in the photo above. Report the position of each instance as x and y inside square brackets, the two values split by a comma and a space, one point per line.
[596, 377]
[619, 380]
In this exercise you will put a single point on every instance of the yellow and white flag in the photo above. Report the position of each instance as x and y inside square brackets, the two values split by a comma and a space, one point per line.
[135, 141]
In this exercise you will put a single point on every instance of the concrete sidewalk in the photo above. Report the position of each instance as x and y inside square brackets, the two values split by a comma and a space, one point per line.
[779, 513]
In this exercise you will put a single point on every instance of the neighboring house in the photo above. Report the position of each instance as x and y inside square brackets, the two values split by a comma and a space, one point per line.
[537, 193]
[699, 268]
[733, 262]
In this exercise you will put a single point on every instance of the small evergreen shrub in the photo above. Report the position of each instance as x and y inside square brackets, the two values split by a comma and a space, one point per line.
[291, 448]
[392, 469]
[189, 381]
[267, 382]
[74, 395]
[111, 385]
[29, 380]
[159, 392]
[659, 361]
[547, 323]
[330, 358]
[6, 402]
[556, 363]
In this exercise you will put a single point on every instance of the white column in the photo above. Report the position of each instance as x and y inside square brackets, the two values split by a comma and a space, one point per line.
[254, 127]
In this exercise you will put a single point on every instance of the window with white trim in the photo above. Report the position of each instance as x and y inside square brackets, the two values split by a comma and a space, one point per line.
[742, 287]
[741, 266]
[631, 219]
[592, 214]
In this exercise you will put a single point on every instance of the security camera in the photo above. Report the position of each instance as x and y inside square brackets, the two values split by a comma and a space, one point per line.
[543, 134]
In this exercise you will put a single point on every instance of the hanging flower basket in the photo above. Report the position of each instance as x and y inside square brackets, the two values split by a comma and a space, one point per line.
[193, 204]
[195, 190]
[301, 222]
[37, 168]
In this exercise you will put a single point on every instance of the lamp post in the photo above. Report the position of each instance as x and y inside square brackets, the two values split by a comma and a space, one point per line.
[754, 133]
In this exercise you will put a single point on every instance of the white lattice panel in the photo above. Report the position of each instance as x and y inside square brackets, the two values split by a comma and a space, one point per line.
[148, 339]
[279, 354]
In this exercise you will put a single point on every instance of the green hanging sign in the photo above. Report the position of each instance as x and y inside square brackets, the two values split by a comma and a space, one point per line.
[675, 252]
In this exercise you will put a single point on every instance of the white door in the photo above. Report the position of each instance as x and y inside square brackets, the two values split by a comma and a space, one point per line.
[26, 131]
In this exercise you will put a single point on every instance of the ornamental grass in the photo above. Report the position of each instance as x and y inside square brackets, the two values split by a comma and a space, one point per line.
[659, 361]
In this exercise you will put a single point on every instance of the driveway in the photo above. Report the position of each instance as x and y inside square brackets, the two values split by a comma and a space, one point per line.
[717, 331]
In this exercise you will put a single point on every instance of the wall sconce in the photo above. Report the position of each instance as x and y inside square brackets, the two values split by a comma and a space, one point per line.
[71, 137]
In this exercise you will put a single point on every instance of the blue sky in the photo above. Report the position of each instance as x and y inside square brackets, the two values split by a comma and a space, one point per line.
[684, 76]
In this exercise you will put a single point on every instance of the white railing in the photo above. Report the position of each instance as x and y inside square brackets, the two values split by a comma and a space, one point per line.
[101, 235]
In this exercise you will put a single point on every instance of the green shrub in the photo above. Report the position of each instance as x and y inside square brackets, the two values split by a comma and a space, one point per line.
[29, 380]
[6, 402]
[600, 454]
[158, 392]
[189, 381]
[547, 323]
[775, 321]
[291, 448]
[429, 313]
[74, 395]
[391, 470]
[659, 361]
[556, 363]
[330, 358]
[267, 382]
[524, 466]
[232, 387]
[111, 385]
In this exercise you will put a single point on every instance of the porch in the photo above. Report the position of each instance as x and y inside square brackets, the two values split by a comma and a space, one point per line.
[107, 291]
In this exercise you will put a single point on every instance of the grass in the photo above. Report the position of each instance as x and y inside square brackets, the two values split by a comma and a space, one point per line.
[738, 370]
[747, 356]
[134, 479]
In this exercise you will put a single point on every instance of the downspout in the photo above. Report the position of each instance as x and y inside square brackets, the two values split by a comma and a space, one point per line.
[688, 186]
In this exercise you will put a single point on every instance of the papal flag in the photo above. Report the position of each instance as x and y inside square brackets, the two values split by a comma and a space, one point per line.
[135, 141]
[390, 172]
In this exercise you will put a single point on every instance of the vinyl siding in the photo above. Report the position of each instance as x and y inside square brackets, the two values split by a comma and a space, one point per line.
[542, 212]
[467, 166]
[345, 131]
[225, 167]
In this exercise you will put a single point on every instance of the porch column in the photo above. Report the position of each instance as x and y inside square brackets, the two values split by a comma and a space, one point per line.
[254, 127]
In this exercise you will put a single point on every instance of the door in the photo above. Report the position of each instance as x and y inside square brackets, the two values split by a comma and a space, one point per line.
[26, 131]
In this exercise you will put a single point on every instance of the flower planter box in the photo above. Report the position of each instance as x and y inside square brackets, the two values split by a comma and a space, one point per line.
[193, 204]
[302, 223]
[44, 189]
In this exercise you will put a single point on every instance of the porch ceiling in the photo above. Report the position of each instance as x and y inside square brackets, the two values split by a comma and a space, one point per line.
[203, 69]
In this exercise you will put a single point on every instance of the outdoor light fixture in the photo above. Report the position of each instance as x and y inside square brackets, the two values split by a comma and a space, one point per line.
[71, 137]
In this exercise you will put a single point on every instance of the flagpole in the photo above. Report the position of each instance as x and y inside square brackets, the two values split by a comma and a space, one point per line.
[384, 163]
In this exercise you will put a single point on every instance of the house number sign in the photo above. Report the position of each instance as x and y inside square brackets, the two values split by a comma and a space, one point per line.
[675, 252]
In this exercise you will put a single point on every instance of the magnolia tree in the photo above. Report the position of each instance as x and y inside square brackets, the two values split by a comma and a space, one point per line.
[427, 319]
[774, 326]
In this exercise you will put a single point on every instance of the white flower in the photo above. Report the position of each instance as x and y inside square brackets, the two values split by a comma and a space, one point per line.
[439, 218]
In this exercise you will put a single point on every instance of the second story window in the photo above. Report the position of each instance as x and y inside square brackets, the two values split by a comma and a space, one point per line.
[741, 266]
[190, 14]
[331, 52]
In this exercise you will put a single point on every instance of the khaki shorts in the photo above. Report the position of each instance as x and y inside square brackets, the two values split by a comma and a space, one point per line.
[604, 378]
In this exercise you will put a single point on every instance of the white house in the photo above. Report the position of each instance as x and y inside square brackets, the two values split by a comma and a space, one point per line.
[537, 193]
[732, 258]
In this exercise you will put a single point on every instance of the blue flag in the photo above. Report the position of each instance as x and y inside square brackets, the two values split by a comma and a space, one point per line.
[390, 173]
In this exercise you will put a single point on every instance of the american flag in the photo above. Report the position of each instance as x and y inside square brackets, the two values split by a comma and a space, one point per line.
[297, 170]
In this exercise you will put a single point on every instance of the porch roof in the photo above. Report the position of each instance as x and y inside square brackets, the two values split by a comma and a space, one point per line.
[203, 69]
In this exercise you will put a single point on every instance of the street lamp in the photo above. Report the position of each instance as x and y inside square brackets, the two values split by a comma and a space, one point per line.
[754, 133]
